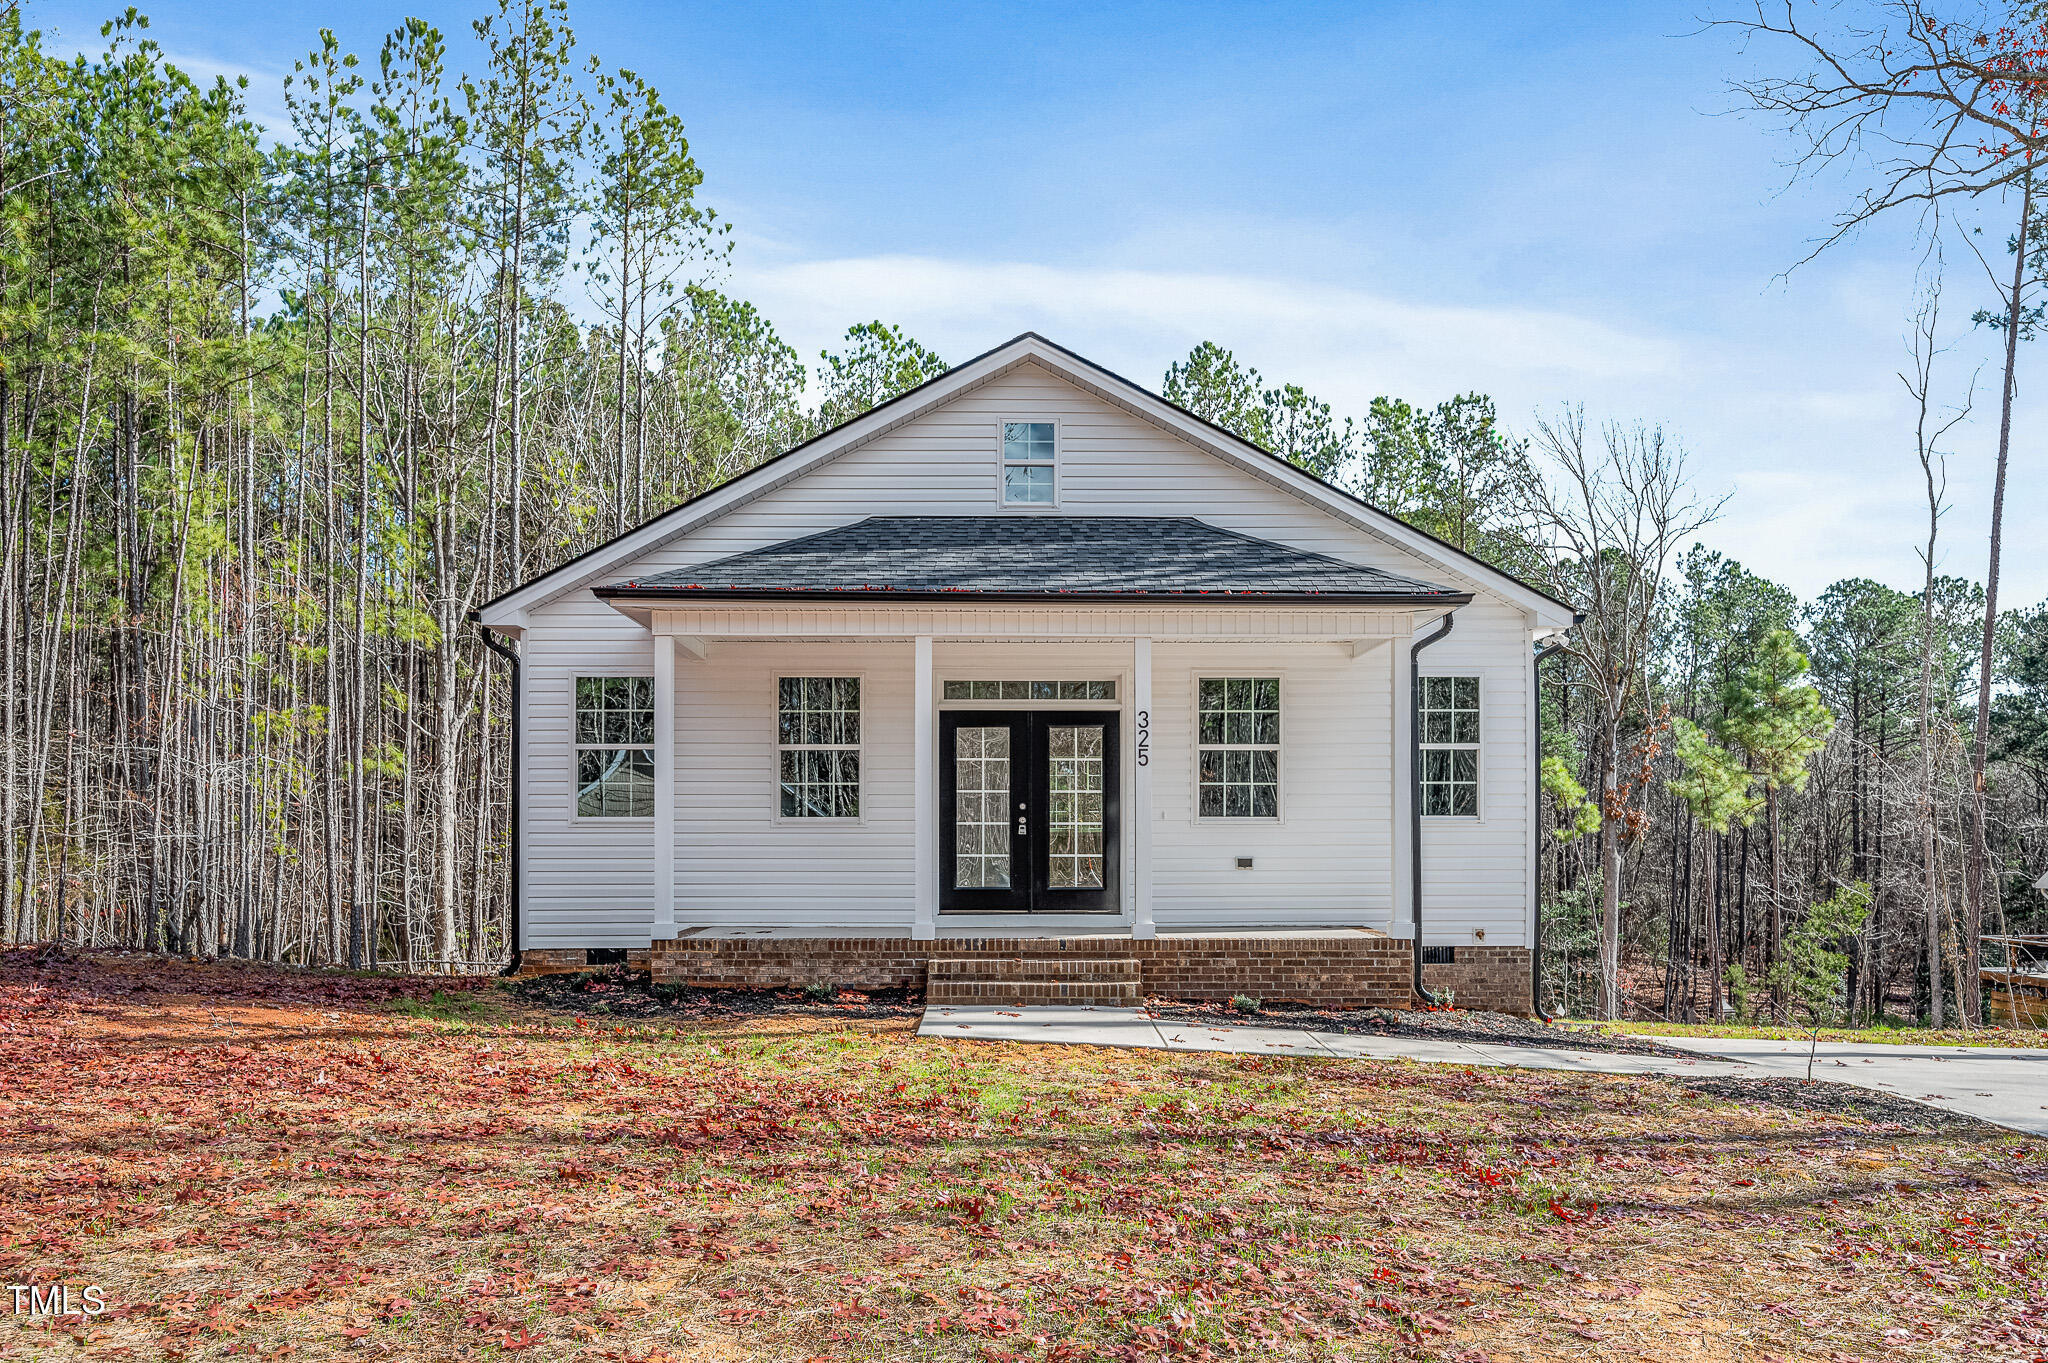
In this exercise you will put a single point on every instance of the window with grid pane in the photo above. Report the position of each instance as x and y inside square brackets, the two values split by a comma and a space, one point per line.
[818, 734]
[615, 747]
[1238, 747]
[1449, 711]
[1029, 461]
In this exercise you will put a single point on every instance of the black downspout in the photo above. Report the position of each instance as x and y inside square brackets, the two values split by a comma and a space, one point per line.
[1415, 800]
[516, 829]
[1536, 813]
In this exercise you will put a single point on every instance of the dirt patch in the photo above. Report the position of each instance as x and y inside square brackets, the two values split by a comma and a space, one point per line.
[627, 993]
[1435, 1024]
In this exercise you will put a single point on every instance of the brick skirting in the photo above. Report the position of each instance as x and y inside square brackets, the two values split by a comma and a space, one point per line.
[1484, 977]
[1353, 970]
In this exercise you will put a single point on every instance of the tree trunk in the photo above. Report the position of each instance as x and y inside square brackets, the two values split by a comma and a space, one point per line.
[1978, 885]
[1610, 871]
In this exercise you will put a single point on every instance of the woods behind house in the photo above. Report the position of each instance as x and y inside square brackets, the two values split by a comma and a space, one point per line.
[280, 406]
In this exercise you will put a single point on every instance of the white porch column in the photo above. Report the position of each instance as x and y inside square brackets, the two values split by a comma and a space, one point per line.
[925, 783]
[664, 787]
[1141, 787]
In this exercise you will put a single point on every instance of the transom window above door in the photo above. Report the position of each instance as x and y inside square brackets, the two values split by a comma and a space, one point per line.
[1030, 690]
[1030, 463]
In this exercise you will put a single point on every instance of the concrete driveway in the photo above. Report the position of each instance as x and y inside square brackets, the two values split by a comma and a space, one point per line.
[2006, 1085]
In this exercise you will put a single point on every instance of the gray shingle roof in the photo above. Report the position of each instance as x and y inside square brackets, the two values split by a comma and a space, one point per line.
[1033, 557]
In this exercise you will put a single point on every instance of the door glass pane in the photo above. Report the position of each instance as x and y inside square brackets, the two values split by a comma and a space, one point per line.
[981, 808]
[1076, 815]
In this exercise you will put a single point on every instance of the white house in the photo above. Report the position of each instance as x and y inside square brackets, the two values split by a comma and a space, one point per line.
[1030, 684]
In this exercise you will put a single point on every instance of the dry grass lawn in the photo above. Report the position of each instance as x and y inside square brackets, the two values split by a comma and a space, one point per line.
[273, 1165]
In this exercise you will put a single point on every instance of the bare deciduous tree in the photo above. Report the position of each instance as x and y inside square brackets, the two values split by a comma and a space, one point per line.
[1930, 428]
[1610, 517]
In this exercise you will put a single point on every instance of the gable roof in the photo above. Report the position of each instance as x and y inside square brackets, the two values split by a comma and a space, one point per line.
[508, 609]
[1034, 558]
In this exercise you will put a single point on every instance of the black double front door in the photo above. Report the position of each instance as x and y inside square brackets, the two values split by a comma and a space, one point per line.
[1027, 811]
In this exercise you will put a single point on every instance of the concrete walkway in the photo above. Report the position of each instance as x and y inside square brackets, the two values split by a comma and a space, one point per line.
[1133, 1027]
[2006, 1086]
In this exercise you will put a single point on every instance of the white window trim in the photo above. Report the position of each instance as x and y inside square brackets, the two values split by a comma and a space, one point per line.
[773, 686]
[1058, 464]
[1479, 768]
[1195, 746]
[576, 750]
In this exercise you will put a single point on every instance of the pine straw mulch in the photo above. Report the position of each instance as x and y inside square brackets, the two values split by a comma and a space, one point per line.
[250, 1166]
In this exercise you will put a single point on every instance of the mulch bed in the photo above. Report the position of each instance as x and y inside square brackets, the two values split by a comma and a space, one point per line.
[1445, 1024]
[1822, 1095]
[633, 994]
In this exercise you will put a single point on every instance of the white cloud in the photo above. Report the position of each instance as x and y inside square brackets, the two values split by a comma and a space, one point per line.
[1355, 339]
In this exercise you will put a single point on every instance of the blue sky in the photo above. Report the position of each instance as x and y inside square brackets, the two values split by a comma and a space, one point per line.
[1547, 202]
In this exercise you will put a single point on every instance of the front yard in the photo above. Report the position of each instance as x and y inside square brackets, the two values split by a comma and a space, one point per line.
[292, 1166]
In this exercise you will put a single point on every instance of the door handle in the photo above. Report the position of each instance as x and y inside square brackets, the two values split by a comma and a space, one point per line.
[1020, 828]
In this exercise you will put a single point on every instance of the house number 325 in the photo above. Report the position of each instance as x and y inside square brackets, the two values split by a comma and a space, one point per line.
[1144, 738]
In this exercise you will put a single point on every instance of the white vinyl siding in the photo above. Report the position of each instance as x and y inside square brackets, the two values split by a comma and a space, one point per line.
[1476, 871]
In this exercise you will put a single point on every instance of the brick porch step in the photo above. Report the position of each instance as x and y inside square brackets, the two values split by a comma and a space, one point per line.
[1109, 980]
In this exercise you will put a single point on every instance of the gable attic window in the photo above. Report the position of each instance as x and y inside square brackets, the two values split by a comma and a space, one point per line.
[1030, 462]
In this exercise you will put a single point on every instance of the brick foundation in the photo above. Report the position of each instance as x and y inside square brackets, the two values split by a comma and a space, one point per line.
[1495, 978]
[1351, 970]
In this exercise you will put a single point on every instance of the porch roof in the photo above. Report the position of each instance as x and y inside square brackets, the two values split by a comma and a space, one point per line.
[1026, 557]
